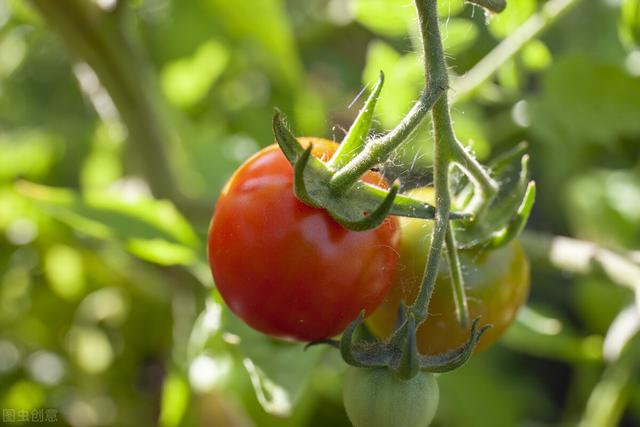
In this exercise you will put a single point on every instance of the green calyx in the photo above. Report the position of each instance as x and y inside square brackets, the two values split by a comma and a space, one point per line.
[400, 353]
[356, 205]
[500, 217]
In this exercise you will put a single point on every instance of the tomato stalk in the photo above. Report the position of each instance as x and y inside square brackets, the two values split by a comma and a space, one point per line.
[378, 150]
[459, 293]
[444, 141]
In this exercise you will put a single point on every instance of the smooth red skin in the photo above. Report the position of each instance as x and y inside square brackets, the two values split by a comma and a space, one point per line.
[287, 269]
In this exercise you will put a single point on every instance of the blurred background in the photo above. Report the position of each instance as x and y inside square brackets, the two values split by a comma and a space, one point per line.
[120, 120]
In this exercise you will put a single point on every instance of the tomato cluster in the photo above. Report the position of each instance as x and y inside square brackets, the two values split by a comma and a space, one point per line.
[289, 270]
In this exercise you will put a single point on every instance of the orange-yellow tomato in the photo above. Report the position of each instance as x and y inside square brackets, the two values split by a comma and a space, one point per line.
[496, 283]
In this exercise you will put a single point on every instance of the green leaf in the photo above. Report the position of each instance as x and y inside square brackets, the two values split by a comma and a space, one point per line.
[13, 49]
[64, 268]
[536, 55]
[609, 206]
[512, 17]
[503, 401]
[27, 153]
[395, 18]
[582, 114]
[458, 35]
[279, 370]
[152, 229]
[186, 81]
[161, 252]
[630, 23]
[385, 17]
[264, 24]
[175, 400]
[528, 335]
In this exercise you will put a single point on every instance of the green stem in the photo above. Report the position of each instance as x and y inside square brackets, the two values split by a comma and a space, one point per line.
[465, 86]
[457, 282]
[444, 139]
[474, 170]
[378, 150]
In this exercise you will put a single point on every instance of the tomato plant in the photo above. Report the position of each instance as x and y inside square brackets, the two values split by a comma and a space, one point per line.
[496, 281]
[288, 269]
[376, 397]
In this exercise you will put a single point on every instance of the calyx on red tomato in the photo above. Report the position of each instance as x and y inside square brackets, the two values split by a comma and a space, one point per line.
[288, 269]
[496, 283]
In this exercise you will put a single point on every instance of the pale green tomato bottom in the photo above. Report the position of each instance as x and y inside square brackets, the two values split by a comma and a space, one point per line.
[377, 398]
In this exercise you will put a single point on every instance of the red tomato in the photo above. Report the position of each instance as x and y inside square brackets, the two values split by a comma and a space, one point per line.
[287, 269]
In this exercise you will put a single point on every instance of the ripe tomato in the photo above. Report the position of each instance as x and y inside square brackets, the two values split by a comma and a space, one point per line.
[377, 398]
[287, 269]
[496, 283]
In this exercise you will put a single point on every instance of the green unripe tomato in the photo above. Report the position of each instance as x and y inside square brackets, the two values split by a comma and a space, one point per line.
[376, 397]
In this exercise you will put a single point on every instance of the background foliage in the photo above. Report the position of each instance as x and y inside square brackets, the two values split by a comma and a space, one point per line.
[107, 309]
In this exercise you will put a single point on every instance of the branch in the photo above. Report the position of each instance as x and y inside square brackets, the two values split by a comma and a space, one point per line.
[444, 138]
[96, 37]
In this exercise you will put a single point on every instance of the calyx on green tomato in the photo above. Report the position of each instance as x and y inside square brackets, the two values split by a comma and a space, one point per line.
[496, 283]
[375, 397]
[288, 269]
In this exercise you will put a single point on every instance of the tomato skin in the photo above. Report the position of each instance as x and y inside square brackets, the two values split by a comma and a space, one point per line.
[496, 282]
[290, 270]
[375, 397]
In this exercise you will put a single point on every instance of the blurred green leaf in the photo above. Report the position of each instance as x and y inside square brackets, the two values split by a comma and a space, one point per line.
[279, 370]
[598, 303]
[609, 206]
[458, 35]
[27, 153]
[503, 24]
[630, 23]
[395, 18]
[263, 24]
[23, 396]
[582, 115]
[585, 102]
[90, 348]
[64, 268]
[526, 336]
[153, 229]
[186, 81]
[13, 49]
[503, 402]
[175, 398]
[536, 56]
[161, 252]
[386, 17]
